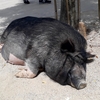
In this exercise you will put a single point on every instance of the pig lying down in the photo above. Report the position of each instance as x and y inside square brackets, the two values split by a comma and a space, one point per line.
[47, 44]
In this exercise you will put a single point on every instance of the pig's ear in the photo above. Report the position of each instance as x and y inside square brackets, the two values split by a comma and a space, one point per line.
[67, 46]
[90, 57]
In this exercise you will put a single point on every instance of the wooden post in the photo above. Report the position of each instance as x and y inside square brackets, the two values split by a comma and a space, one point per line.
[72, 12]
[56, 13]
[78, 11]
[67, 9]
[99, 9]
[68, 12]
[82, 29]
[64, 12]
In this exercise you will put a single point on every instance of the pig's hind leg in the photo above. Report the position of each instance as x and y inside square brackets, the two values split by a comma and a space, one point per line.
[31, 70]
[9, 57]
[1, 45]
[14, 60]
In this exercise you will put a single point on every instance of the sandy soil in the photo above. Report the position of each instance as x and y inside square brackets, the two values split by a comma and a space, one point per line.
[42, 87]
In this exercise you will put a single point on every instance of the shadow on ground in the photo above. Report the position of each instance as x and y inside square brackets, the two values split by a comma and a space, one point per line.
[22, 10]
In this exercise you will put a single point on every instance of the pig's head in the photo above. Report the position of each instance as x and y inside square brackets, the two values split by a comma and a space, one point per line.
[75, 64]
[77, 72]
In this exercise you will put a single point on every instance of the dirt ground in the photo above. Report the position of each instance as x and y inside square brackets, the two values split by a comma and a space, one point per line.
[42, 87]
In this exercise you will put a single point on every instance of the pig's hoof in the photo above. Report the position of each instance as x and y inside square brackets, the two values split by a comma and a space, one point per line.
[25, 74]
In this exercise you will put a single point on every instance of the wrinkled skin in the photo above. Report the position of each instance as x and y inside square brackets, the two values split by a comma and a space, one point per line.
[48, 45]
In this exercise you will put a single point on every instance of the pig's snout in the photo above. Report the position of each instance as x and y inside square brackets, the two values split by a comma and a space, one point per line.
[82, 84]
[79, 84]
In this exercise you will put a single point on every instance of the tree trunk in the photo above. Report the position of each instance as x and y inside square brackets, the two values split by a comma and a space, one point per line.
[64, 12]
[68, 12]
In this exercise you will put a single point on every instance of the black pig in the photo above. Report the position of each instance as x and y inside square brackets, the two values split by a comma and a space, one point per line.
[48, 44]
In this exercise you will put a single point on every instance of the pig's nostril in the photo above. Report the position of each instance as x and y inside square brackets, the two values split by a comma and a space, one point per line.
[82, 85]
